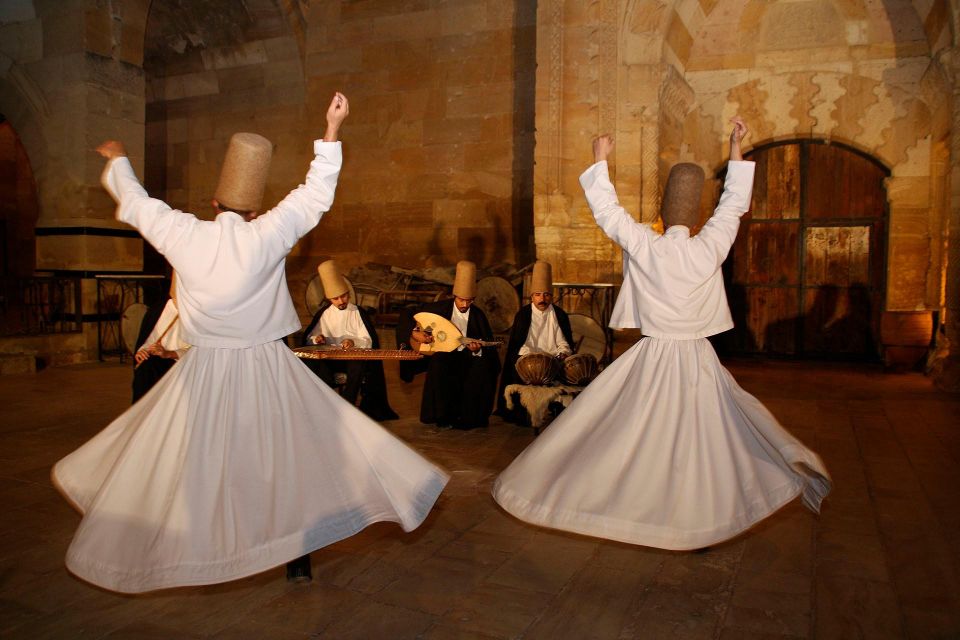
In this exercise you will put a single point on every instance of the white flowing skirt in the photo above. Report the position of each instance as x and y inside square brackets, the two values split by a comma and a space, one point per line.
[237, 461]
[662, 449]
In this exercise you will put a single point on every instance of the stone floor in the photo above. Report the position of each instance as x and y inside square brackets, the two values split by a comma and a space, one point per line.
[881, 561]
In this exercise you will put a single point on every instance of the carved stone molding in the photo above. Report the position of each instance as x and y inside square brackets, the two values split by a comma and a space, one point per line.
[649, 168]
[549, 127]
[609, 63]
[676, 96]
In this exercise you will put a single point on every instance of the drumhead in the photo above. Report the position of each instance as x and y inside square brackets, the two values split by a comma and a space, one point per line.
[314, 295]
[498, 300]
[130, 321]
[589, 335]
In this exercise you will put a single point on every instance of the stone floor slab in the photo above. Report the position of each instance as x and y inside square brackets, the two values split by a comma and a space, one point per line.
[882, 560]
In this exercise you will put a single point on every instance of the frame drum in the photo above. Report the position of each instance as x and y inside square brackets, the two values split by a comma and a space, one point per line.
[130, 323]
[498, 300]
[588, 336]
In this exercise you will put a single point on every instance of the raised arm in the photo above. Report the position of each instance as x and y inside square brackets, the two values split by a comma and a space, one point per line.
[303, 207]
[601, 195]
[156, 221]
[718, 234]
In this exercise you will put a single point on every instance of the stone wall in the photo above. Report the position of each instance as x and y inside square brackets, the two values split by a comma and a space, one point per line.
[70, 78]
[438, 146]
[18, 206]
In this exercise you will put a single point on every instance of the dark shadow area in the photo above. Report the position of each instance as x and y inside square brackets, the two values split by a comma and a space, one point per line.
[524, 129]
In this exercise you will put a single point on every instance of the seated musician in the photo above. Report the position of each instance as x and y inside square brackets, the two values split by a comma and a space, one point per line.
[158, 350]
[341, 324]
[539, 327]
[459, 387]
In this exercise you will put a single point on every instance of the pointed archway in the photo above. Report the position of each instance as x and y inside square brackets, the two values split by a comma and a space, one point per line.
[806, 275]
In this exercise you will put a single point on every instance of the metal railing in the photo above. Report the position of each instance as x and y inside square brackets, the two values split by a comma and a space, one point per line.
[114, 294]
[38, 305]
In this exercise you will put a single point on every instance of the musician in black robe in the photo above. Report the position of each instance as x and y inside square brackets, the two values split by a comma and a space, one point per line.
[339, 322]
[458, 391]
[158, 344]
[539, 327]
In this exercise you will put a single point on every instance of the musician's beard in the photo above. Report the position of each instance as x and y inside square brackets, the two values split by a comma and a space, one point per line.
[542, 306]
[342, 306]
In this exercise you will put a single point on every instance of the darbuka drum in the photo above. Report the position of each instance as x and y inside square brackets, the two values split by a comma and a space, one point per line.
[537, 368]
[579, 369]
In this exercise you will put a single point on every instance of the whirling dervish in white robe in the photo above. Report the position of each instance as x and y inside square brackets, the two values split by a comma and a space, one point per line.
[664, 448]
[239, 459]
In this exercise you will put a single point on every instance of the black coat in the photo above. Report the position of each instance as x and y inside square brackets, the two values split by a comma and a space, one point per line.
[459, 387]
[153, 368]
[518, 336]
[364, 377]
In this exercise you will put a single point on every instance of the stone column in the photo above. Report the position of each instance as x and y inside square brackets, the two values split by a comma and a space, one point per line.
[71, 76]
[91, 79]
[945, 365]
[586, 87]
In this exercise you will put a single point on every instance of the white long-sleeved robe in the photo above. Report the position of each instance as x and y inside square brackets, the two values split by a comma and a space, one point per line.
[239, 459]
[664, 448]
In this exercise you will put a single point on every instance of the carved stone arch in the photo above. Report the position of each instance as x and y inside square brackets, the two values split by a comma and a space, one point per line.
[29, 128]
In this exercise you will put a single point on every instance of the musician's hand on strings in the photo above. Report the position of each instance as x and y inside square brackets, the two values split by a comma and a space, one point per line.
[474, 346]
[347, 344]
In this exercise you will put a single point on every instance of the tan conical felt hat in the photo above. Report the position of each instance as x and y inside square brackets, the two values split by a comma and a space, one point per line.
[465, 283]
[681, 198]
[334, 284]
[244, 173]
[542, 280]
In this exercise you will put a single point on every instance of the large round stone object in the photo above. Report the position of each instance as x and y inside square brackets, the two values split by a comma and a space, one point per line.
[314, 296]
[537, 368]
[498, 300]
[588, 335]
[130, 321]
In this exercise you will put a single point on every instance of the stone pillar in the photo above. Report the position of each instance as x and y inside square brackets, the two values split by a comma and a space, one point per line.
[589, 83]
[71, 76]
[945, 365]
[91, 79]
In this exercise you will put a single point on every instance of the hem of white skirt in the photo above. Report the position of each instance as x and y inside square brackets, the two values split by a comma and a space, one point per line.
[252, 561]
[601, 526]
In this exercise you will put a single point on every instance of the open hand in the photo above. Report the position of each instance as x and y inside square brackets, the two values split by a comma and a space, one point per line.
[602, 147]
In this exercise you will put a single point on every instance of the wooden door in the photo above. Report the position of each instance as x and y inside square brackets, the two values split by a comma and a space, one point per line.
[805, 276]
